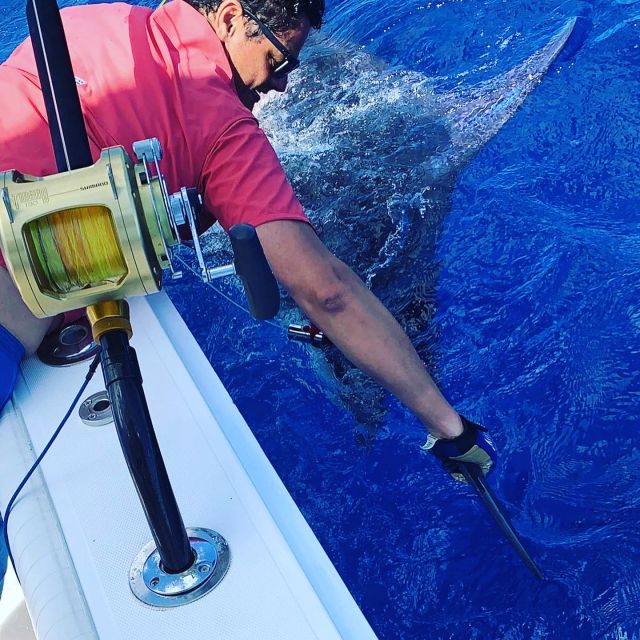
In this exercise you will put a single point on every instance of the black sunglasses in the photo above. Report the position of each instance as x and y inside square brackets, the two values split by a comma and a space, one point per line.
[290, 62]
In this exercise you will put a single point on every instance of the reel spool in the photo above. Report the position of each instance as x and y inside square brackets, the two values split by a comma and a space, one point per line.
[95, 234]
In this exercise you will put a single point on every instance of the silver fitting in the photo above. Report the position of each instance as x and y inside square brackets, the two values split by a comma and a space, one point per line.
[179, 207]
[220, 272]
[176, 208]
[96, 411]
[154, 586]
[149, 150]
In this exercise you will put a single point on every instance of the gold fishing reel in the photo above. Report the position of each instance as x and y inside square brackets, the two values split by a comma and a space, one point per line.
[100, 233]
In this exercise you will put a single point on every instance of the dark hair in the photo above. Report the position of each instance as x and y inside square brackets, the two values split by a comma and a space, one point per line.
[279, 15]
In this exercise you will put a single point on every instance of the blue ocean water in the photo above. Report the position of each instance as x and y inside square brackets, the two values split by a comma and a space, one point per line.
[527, 315]
[534, 331]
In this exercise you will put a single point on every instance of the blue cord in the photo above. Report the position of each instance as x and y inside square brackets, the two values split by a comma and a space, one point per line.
[92, 370]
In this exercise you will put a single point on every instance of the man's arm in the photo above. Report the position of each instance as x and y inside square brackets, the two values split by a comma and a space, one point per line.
[336, 300]
[16, 317]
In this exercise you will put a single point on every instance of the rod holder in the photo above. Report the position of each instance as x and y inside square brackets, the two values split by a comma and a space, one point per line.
[123, 382]
[153, 585]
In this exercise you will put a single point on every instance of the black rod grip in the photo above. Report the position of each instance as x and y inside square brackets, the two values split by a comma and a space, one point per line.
[251, 265]
[64, 113]
[139, 444]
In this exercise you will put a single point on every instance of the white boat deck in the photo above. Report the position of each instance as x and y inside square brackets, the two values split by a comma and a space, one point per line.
[79, 523]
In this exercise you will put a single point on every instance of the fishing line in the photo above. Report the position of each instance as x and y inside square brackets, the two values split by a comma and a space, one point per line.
[76, 248]
[226, 297]
[91, 372]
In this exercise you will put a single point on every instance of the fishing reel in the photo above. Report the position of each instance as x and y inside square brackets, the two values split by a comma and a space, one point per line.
[111, 231]
[92, 237]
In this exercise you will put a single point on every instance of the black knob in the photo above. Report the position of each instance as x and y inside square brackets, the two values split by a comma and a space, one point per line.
[251, 265]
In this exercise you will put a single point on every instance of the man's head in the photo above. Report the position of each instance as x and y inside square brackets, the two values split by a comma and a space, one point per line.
[262, 39]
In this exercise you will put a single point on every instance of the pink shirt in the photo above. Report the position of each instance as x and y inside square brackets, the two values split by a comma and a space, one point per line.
[162, 74]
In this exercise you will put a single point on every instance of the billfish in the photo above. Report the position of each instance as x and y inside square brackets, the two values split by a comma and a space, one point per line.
[373, 154]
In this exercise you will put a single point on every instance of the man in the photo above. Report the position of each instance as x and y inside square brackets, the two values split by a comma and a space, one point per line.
[190, 73]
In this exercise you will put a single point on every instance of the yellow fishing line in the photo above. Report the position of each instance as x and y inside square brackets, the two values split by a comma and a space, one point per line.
[76, 249]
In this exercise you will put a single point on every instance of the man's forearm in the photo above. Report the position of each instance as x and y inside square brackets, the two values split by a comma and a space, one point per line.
[337, 301]
[16, 317]
[368, 335]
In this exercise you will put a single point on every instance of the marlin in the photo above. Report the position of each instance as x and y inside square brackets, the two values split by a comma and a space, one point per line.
[373, 154]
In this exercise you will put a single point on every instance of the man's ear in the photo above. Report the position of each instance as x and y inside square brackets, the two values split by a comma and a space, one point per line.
[227, 18]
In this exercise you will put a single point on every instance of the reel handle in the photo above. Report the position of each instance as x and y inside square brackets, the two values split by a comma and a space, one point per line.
[251, 265]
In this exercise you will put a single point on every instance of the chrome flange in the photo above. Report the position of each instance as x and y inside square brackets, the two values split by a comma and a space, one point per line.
[70, 345]
[154, 586]
[96, 411]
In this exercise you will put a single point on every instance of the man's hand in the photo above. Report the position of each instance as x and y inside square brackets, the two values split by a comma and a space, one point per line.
[472, 445]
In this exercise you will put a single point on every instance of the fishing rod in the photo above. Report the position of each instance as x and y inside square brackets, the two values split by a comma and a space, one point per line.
[91, 236]
[473, 475]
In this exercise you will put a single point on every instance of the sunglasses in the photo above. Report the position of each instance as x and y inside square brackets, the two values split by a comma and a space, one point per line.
[290, 62]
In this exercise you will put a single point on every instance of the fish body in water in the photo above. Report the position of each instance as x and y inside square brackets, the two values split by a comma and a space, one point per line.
[373, 154]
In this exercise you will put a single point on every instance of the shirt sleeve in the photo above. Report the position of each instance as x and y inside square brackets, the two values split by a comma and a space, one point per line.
[243, 180]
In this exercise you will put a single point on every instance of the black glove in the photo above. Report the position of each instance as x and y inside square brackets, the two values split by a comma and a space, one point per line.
[472, 445]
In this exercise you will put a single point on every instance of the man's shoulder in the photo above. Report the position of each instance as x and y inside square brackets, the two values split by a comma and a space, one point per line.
[98, 27]
[105, 10]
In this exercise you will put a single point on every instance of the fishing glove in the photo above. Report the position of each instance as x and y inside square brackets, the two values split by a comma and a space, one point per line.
[472, 445]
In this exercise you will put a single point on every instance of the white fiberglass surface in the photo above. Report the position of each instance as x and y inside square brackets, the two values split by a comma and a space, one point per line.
[266, 593]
